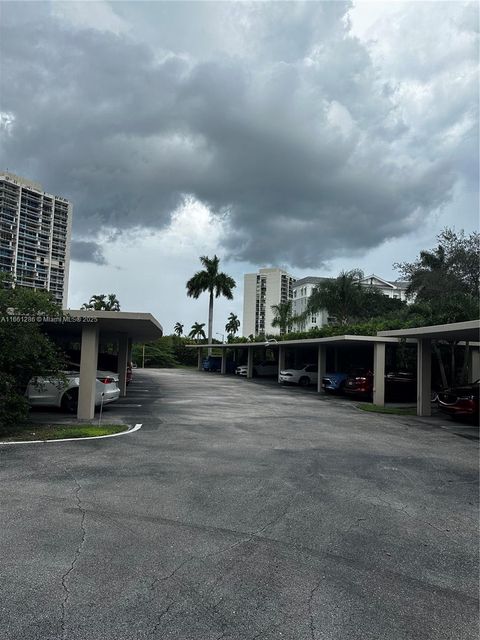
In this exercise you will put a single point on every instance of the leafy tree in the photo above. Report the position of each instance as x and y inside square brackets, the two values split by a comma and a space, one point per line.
[233, 325]
[283, 317]
[197, 331]
[178, 329]
[211, 280]
[25, 350]
[157, 354]
[341, 297]
[103, 302]
[444, 281]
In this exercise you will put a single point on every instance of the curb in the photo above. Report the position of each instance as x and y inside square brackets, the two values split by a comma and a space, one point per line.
[111, 435]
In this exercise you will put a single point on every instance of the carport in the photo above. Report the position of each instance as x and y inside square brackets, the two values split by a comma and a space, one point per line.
[346, 343]
[89, 328]
[460, 332]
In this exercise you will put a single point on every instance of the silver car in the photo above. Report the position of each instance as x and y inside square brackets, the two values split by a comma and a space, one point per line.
[55, 392]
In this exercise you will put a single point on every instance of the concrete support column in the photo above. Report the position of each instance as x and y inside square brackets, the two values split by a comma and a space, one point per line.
[379, 373]
[322, 366]
[223, 366]
[473, 364]
[88, 372]
[249, 362]
[424, 377]
[129, 351]
[122, 364]
[336, 364]
[281, 359]
[200, 359]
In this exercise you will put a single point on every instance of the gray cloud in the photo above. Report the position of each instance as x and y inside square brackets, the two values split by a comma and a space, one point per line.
[296, 138]
[87, 251]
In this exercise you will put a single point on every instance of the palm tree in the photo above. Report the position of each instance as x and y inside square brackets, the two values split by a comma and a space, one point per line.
[283, 315]
[211, 280]
[197, 331]
[232, 325]
[102, 302]
[342, 297]
[178, 329]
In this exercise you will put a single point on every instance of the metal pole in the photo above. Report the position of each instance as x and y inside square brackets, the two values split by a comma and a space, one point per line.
[143, 356]
[101, 410]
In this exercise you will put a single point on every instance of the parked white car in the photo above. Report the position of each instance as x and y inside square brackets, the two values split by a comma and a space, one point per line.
[304, 376]
[265, 368]
[54, 392]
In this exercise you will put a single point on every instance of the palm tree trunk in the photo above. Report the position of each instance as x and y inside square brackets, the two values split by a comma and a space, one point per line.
[210, 321]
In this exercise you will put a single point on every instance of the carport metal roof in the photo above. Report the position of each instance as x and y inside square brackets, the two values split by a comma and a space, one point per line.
[464, 331]
[140, 327]
[334, 340]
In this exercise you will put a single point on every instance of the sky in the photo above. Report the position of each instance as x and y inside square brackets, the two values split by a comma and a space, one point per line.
[312, 136]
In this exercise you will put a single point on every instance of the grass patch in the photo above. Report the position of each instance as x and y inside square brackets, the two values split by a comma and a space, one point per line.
[59, 431]
[398, 411]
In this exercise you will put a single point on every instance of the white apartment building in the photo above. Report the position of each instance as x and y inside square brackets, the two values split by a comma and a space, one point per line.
[396, 289]
[35, 235]
[303, 289]
[270, 286]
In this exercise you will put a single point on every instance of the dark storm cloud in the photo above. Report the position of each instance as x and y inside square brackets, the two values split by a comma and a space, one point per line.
[298, 143]
[87, 251]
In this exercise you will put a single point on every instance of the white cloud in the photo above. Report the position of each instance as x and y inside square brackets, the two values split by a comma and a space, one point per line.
[90, 14]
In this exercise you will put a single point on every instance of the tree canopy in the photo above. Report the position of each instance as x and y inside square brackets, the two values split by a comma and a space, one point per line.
[25, 350]
[233, 324]
[347, 300]
[444, 281]
[197, 332]
[103, 302]
[283, 316]
[178, 329]
[212, 280]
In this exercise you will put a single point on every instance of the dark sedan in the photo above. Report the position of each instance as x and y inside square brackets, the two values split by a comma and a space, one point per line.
[461, 401]
[359, 383]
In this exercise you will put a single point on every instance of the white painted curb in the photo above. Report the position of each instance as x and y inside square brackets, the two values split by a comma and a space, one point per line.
[111, 435]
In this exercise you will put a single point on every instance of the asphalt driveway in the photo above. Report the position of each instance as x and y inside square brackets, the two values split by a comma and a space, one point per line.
[241, 511]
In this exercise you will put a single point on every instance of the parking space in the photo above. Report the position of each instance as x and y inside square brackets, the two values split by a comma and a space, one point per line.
[242, 509]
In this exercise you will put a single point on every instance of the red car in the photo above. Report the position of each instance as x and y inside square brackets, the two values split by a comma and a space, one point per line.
[461, 401]
[359, 383]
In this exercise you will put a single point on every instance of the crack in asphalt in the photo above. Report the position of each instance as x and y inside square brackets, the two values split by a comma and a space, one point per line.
[159, 618]
[78, 551]
[402, 509]
[208, 607]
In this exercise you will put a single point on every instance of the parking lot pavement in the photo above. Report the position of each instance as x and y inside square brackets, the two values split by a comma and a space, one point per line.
[241, 511]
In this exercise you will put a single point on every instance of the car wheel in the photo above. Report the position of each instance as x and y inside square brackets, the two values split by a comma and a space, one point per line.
[70, 401]
[304, 381]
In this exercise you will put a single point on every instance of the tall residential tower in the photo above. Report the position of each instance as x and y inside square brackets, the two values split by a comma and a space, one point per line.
[35, 232]
[262, 290]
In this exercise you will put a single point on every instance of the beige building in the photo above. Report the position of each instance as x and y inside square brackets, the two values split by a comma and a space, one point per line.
[35, 234]
[270, 286]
